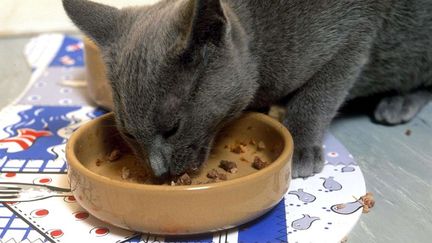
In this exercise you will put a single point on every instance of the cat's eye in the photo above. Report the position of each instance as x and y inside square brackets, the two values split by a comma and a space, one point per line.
[172, 131]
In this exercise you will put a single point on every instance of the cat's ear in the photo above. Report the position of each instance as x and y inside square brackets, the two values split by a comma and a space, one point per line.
[204, 22]
[94, 19]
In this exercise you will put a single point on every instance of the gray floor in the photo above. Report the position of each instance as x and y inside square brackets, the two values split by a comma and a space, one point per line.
[397, 167]
[398, 170]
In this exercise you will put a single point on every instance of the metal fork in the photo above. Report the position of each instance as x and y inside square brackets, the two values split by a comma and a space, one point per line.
[25, 192]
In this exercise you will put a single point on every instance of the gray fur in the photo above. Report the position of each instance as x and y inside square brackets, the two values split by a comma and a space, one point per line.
[181, 69]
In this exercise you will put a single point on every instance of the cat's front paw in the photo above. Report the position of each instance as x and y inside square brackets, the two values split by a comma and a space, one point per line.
[307, 161]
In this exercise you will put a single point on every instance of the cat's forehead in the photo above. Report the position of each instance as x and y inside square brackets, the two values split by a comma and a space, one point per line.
[146, 44]
[154, 28]
[140, 65]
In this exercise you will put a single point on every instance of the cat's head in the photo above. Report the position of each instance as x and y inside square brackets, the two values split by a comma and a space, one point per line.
[179, 70]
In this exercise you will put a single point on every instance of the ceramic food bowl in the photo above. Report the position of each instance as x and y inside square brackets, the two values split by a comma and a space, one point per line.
[101, 188]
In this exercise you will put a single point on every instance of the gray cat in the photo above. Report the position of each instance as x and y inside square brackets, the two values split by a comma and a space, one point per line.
[181, 69]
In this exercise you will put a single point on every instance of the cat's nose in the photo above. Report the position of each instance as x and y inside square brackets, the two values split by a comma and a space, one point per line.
[158, 163]
[159, 156]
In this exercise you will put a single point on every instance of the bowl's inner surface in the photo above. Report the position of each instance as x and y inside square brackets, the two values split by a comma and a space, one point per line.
[249, 133]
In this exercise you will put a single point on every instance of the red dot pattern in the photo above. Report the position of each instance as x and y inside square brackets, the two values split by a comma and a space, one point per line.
[10, 174]
[56, 233]
[81, 215]
[11, 203]
[99, 231]
[70, 199]
[45, 180]
[41, 212]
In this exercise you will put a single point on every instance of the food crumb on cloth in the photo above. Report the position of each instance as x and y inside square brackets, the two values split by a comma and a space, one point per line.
[368, 202]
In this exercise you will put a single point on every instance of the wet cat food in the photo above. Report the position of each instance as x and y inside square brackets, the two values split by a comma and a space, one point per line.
[114, 155]
[238, 148]
[259, 164]
[183, 180]
[340, 206]
[125, 173]
[261, 146]
[228, 160]
[408, 132]
[214, 174]
[222, 176]
[228, 166]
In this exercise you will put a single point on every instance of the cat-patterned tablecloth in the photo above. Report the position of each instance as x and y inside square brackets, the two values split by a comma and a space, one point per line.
[35, 128]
